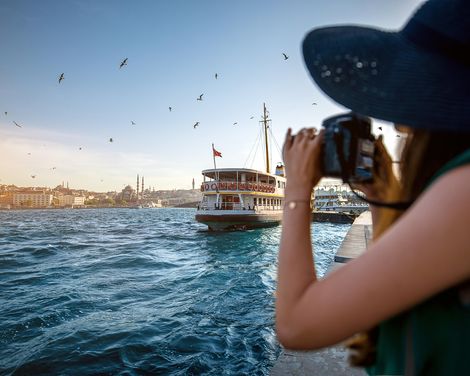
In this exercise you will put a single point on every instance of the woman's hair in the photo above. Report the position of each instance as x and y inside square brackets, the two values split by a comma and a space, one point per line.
[423, 155]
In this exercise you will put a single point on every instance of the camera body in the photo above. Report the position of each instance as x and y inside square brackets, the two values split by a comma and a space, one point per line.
[348, 149]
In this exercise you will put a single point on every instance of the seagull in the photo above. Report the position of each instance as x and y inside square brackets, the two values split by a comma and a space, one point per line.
[80, 148]
[252, 117]
[6, 113]
[314, 103]
[196, 125]
[61, 77]
[398, 135]
[132, 123]
[379, 128]
[285, 56]
[111, 139]
[235, 123]
[53, 168]
[200, 97]
[124, 62]
[19, 126]
[33, 176]
[169, 108]
[216, 75]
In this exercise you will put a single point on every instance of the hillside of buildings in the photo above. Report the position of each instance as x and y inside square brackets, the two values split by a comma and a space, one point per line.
[13, 197]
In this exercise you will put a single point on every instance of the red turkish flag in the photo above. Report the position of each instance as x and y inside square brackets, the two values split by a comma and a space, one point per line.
[216, 153]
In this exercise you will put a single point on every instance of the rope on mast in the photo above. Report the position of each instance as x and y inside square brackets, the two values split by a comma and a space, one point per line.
[256, 143]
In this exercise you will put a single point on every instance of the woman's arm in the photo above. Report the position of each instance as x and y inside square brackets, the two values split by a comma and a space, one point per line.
[424, 253]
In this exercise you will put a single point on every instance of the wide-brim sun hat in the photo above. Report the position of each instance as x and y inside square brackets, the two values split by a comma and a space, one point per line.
[418, 76]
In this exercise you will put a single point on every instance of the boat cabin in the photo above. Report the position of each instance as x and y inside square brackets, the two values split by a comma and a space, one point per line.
[242, 189]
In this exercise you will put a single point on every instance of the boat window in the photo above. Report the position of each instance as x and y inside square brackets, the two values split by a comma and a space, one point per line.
[254, 201]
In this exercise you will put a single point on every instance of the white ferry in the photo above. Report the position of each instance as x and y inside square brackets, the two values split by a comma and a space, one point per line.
[339, 200]
[241, 198]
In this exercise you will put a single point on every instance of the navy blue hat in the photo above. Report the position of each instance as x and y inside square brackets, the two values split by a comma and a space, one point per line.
[418, 76]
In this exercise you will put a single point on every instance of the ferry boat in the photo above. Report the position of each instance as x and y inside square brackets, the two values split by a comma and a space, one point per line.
[241, 198]
[339, 200]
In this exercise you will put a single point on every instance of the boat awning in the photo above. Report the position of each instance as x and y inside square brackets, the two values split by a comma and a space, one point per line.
[231, 174]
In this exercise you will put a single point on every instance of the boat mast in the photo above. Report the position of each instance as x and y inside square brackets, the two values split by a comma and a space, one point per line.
[265, 122]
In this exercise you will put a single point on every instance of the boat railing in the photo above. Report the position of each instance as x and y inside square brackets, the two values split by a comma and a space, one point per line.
[232, 185]
[223, 206]
[237, 206]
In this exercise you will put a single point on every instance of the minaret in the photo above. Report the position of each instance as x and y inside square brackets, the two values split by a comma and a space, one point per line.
[142, 192]
[137, 186]
[193, 184]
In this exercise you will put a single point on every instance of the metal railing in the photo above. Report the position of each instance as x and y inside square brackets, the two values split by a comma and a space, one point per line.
[237, 206]
[232, 185]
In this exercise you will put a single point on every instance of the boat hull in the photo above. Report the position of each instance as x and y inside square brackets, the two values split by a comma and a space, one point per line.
[225, 221]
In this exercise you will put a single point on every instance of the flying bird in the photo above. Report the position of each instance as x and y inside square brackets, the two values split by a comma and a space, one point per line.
[169, 108]
[53, 168]
[132, 123]
[200, 97]
[252, 117]
[196, 125]
[398, 135]
[235, 123]
[124, 62]
[285, 56]
[33, 176]
[29, 153]
[314, 103]
[216, 75]
[19, 126]
[80, 148]
[111, 139]
[6, 113]
[61, 77]
[379, 128]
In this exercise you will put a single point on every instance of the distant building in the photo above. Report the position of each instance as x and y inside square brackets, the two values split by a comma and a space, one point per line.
[69, 200]
[32, 199]
[128, 194]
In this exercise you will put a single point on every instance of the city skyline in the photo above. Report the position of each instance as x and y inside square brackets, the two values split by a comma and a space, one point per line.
[61, 131]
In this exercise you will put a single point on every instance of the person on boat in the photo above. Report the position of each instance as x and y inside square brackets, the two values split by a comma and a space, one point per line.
[406, 301]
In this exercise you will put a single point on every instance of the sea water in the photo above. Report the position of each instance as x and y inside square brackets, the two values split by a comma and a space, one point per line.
[150, 291]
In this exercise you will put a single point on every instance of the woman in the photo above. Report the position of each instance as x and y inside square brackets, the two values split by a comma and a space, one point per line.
[408, 291]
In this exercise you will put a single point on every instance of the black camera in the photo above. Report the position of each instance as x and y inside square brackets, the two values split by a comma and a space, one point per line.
[348, 149]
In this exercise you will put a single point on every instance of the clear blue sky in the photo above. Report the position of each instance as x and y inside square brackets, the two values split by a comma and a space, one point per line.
[174, 48]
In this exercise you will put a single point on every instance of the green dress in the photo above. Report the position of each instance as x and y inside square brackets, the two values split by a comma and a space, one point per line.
[432, 338]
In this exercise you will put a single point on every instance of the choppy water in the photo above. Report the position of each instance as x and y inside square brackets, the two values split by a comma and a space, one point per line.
[128, 292]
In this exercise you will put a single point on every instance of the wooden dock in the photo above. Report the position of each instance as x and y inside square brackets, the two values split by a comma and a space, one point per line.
[331, 361]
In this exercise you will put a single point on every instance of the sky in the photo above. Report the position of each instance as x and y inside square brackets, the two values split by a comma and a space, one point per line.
[174, 48]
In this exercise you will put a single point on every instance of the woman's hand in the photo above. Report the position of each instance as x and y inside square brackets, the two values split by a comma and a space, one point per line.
[302, 160]
[385, 180]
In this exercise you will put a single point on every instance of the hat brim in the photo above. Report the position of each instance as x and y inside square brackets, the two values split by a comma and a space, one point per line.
[384, 75]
